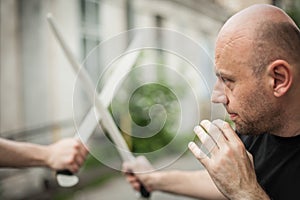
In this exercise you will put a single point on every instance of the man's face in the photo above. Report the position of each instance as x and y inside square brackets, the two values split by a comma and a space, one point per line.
[246, 97]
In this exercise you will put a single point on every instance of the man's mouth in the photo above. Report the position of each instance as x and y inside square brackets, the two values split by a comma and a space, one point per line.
[233, 116]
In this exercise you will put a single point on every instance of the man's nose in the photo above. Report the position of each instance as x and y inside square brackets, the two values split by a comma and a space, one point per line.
[218, 94]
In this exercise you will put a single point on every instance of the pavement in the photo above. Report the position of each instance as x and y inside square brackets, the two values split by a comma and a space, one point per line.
[118, 189]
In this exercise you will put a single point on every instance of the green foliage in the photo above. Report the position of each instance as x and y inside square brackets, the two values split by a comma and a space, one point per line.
[140, 105]
[294, 12]
[146, 109]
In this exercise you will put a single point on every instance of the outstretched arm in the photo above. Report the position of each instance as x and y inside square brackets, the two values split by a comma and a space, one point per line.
[196, 184]
[65, 154]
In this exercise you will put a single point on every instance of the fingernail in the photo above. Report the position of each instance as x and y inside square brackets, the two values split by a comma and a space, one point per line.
[205, 122]
[197, 129]
[190, 145]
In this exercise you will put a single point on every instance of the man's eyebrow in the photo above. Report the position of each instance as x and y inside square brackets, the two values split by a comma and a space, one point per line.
[219, 73]
[223, 74]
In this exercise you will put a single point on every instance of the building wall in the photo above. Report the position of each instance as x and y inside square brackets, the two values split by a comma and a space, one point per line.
[11, 115]
[234, 6]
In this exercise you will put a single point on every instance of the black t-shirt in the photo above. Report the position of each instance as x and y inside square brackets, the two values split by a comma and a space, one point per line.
[277, 164]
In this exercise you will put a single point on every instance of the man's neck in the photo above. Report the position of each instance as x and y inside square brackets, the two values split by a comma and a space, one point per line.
[290, 129]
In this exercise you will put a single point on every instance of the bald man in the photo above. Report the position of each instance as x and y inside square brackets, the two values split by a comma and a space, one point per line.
[257, 63]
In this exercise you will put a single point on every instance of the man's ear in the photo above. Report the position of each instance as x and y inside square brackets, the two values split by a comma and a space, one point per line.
[281, 77]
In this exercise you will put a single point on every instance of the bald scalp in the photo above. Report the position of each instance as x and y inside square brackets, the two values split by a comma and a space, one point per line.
[273, 41]
[270, 34]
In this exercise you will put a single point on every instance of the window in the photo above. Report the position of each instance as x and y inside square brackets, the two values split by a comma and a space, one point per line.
[90, 35]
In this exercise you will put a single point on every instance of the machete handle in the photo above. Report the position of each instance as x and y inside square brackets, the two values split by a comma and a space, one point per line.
[64, 172]
[143, 191]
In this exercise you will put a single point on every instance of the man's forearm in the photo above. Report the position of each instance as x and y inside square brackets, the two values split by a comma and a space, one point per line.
[21, 154]
[189, 183]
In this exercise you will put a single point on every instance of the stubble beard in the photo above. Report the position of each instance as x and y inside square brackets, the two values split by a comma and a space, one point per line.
[259, 116]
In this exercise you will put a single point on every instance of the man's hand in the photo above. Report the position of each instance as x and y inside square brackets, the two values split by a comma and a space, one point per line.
[66, 154]
[229, 165]
[137, 173]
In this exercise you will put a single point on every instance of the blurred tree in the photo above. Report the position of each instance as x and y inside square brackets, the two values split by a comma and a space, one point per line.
[141, 102]
[149, 115]
[292, 7]
[293, 10]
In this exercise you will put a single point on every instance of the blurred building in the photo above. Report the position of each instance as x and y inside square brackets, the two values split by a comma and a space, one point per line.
[233, 6]
[36, 84]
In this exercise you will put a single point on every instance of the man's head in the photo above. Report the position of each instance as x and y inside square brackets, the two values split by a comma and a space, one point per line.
[257, 62]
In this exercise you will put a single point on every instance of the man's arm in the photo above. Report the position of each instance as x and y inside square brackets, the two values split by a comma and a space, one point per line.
[196, 184]
[64, 154]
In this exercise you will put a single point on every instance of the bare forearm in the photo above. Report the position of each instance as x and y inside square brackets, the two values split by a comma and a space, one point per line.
[189, 183]
[21, 154]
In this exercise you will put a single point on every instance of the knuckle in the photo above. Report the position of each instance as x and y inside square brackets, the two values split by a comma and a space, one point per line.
[71, 160]
[76, 144]
[227, 151]
[136, 186]
[238, 146]
[226, 125]
[75, 169]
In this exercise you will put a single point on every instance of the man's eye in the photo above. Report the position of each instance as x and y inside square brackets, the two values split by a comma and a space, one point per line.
[225, 80]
